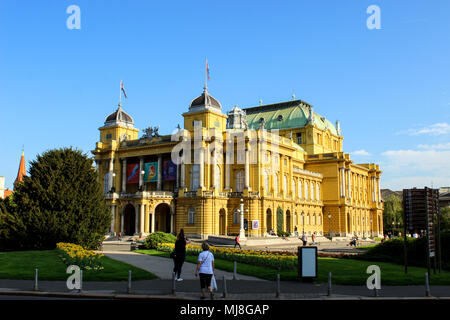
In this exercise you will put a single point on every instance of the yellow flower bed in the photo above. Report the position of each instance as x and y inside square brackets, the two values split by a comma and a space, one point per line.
[254, 257]
[73, 254]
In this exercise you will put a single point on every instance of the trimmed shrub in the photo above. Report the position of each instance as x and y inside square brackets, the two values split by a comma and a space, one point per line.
[393, 251]
[152, 241]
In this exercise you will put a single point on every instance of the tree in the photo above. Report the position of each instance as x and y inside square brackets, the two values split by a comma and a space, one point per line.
[392, 212]
[445, 218]
[60, 201]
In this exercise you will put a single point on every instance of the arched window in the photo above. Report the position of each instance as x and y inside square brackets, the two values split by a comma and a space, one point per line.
[307, 219]
[191, 215]
[195, 177]
[299, 189]
[312, 190]
[320, 219]
[236, 217]
[285, 183]
[314, 219]
[240, 181]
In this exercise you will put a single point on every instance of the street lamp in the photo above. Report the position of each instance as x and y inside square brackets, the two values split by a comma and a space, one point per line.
[113, 188]
[242, 231]
[329, 226]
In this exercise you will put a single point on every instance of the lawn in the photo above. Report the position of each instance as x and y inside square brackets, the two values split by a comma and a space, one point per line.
[21, 265]
[344, 271]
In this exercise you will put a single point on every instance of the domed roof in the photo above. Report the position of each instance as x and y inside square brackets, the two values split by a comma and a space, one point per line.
[205, 100]
[119, 117]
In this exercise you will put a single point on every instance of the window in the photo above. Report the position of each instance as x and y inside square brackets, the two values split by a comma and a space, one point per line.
[312, 190]
[266, 181]
[236, 216]
[307, 219]
[217, 183]
[299, 138]
[293, 188]
[275, 184]
[306, 190]
[191, 214]
[240, 181]
[300, 189]
[318, 192]
[285, 184]
[314, 219]
[195, 177]
[320, 219]
[108, 136]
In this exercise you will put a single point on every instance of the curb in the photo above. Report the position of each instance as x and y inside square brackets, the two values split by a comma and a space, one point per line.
[90, 295]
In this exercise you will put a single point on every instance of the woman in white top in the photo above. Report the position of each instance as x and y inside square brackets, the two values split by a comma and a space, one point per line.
[205, 268]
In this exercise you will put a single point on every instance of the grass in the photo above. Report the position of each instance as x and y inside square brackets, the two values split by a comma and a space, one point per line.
[21, 265]
[344, 271]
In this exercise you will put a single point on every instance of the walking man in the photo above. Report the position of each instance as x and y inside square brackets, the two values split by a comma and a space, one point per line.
[236, 242]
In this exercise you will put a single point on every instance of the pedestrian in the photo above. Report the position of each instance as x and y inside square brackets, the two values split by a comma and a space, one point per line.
[304, 239]
[313, 237]
[296, 231]
[236, 242]
[120, 236]
[180, 254]
[205, 269]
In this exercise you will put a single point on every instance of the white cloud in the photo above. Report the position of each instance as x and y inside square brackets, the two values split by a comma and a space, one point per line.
[440, 146]
[434, 129]
[416, 168]
[361, 152]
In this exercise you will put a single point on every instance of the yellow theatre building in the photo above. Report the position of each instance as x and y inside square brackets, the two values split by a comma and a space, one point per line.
[282, 165]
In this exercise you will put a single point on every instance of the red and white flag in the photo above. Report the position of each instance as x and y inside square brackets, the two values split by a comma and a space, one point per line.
[123, 89]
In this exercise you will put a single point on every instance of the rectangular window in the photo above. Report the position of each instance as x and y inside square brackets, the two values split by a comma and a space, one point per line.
[299, 138]
[191, 214]
[108, 136]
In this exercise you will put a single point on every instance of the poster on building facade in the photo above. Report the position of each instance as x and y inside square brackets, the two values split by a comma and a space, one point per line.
[151, 172]
[133, 173]
[169, 171]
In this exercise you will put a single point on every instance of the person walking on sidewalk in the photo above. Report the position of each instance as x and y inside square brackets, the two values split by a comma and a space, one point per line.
[304, 239]
[180, 254]
[205, 268]
[236, 242]
[313, 237]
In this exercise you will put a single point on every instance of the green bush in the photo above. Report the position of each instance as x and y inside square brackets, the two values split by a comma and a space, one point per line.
[152, 241]
[393, 251]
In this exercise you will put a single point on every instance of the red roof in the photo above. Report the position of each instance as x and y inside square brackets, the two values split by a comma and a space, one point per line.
[8, 193]
[22, 171]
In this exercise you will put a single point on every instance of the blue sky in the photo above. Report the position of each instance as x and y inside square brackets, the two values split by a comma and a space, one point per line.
[389, 88]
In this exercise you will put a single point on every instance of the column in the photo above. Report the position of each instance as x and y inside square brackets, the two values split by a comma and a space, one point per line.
[124, 175]
[247, 169]
[141, 220]
[136, 222]
[159, 184]
[153, 221]
[227, 176]
[113, 214]
[141, 176]
[202, 168]
[378, 188]
[213, 172]
[111, 171]
[171, 222]
[121, 223]
[182, 175]
[178, 176]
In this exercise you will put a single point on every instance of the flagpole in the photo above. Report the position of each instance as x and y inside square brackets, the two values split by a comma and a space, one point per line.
[206, 75]
[120, 93]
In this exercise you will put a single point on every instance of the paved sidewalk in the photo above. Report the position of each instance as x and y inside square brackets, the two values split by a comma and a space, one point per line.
[163, 267]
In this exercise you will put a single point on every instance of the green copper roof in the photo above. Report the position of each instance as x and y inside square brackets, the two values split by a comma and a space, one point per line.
[285, 115]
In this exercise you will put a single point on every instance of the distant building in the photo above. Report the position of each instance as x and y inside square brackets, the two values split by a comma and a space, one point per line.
[22, 171]
[444, 197]
[4, 193]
